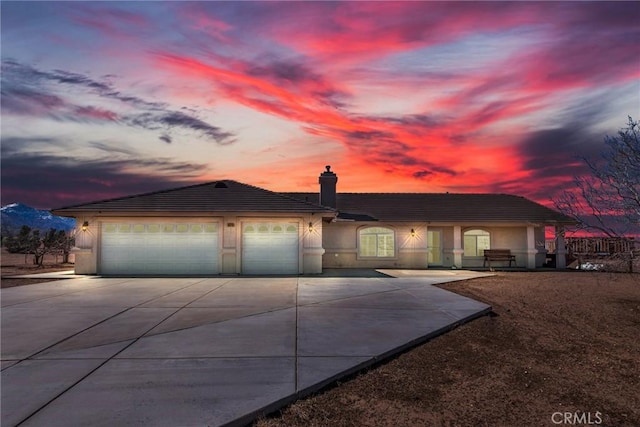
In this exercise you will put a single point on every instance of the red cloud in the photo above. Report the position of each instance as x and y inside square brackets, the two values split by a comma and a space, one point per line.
[410, 148]
[467, 139]
[400, 89]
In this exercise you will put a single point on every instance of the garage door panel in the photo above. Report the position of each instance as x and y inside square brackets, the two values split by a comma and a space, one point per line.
[138, 248]
[270, 248]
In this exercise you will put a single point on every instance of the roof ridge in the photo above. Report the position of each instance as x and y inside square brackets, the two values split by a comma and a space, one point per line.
[279, 194]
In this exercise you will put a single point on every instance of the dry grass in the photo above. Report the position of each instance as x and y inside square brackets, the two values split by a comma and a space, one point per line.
[562, 342]
[19, 264]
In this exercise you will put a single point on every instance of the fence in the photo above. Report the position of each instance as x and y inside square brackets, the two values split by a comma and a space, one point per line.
[594, 245]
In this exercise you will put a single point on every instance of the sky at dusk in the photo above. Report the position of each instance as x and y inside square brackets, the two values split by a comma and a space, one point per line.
[105, 99]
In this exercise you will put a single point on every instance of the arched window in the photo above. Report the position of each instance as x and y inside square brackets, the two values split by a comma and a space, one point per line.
[376, 242]
[476, 241]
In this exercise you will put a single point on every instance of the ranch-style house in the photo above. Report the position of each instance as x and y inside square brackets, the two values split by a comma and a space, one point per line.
[227, 227]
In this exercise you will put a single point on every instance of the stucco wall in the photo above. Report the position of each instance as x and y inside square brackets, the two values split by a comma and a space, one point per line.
[512, 238]
[85, 249]
[341, 245]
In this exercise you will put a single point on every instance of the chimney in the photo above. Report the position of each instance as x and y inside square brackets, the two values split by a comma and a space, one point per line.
[328, 182]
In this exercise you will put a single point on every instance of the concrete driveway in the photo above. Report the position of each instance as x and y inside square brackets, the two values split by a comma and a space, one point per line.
[193, 351]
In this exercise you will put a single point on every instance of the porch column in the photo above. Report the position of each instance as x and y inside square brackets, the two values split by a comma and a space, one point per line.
[531, 247]
[425, 263]
[457, 246]
[561, 251]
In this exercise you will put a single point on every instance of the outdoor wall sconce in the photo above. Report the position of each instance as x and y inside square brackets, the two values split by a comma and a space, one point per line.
[310, 227]
[85, 225]
[413, 233]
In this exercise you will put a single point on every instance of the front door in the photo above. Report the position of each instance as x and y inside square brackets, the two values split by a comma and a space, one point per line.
[434, 247]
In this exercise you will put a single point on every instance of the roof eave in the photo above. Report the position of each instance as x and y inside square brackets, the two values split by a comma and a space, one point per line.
[71, 213]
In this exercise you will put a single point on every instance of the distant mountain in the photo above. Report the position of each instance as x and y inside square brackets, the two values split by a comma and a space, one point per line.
[15, 215]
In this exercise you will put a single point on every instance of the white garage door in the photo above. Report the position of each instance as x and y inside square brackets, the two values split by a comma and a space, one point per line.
[270, 248]
[159, 248]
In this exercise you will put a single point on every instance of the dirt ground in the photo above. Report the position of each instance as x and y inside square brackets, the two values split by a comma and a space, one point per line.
[18, 264]
[562, 349]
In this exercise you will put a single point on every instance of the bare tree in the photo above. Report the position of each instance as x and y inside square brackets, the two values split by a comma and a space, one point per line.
[62, 244]
[39, 246]
[608, 199]
[32, 242]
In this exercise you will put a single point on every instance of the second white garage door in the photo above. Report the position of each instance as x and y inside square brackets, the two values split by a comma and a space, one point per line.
[159, 248]
[270, 248]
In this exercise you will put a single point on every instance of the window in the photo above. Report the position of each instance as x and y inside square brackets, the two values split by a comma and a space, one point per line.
[376, 242]
[475, 242]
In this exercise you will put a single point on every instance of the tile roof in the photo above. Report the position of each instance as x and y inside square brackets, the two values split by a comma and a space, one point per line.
[220, 196]
[234, 196]
[439, 207]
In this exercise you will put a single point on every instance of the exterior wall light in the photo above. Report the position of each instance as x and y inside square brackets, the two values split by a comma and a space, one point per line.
[413, 233]
[310, 227]
[85, 225]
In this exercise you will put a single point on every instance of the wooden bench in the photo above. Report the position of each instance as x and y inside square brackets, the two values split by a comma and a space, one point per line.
[498, 255]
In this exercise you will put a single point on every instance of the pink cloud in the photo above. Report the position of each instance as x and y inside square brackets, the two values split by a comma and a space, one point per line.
[95, 113]
[199, 20]
[398, 86]
[411, 148]
[351, 32]
[116, 23]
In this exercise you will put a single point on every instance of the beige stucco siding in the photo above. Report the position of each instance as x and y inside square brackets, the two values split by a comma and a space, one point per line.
[513, 238]
[340, 241]
[341, 244]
